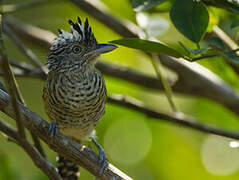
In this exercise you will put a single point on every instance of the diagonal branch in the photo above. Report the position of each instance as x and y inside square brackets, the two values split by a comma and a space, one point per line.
[26, 51]
[9, 131]
[79, 154]
[98, 10]
[175, 118]
[37, 158]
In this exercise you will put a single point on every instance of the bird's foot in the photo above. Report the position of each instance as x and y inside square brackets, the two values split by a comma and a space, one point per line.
[102, 157]
[52, 129]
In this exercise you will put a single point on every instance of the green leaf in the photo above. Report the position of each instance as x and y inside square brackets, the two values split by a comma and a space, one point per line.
[231, 56]
[143, 5]
[235, 23]
[147, 46]
[194, 51]
[217, 42]
[190, 18]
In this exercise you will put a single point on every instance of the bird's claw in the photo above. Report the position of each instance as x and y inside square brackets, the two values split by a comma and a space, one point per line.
[52, 129]
[102, 158]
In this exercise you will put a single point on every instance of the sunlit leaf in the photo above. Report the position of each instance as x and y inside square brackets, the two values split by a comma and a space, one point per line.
[143, 5]
[190, 18]
[147, 46]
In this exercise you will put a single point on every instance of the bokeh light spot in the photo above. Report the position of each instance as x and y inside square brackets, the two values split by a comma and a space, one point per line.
[218, 157]
[128, 141]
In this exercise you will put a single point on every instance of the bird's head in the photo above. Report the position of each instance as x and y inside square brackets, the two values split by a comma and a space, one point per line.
[75, 50]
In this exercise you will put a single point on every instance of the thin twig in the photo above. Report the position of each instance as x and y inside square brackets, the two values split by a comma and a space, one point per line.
[8, 130]
[21, 65]
[204, 56]
[34, 59]
[26, 51]
[175, 118]
[168, 91]
[41, 37]
[229, 42]
[37, 158]
[36, 141]
[10, 83]
[229, 5]
[98, 10]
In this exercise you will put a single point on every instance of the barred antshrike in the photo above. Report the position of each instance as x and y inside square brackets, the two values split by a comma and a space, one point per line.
[75, 94]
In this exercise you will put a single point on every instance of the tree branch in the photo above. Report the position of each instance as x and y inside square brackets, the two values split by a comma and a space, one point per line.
[79, 154]
[193, 78]
[175, 118]
[36, 157]
[217, 31]
[100, 12]
[9, 79]
[34, 59]
[231, 6]
[10, 82]
[8, 130]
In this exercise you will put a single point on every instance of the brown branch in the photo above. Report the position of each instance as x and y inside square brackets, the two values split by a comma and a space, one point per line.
[37, 158]
[9, 79]
[79, 154]
[25, 70]
[217, 31]
[9, 131]
[193, 78]
[34, 59]
[231, 6]
[21, 65]
[175, 118]
[10, 82]
[21, 69]
[97, 10]
[31, 33]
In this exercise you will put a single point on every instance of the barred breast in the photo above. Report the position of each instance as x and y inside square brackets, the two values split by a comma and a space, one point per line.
[75, 103]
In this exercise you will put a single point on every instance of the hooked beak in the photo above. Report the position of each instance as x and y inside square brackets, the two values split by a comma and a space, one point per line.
[101, 49]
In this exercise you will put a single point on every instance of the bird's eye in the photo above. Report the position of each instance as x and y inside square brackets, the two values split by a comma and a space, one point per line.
[76, 49]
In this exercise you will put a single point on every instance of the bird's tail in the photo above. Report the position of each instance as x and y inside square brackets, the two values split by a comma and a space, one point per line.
[67, 169]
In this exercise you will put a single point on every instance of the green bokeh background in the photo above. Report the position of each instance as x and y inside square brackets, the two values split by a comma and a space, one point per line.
[150, 149]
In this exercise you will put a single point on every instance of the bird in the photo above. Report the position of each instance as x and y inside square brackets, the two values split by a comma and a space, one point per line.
[74, 94]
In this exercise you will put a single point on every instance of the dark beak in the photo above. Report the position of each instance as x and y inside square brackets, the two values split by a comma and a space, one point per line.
[101, 49]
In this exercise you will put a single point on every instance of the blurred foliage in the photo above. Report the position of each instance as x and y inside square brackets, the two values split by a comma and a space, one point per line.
[148, 148]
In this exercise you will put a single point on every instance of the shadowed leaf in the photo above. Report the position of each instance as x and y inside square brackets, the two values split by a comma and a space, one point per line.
[190, 18]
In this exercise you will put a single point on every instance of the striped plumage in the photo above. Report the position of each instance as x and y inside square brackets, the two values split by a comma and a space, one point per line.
[75, 93]
[75, 103]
